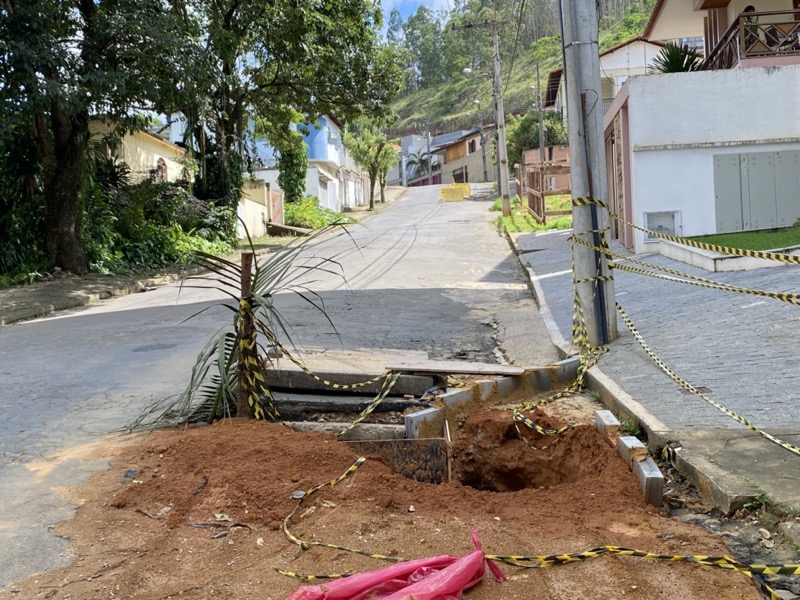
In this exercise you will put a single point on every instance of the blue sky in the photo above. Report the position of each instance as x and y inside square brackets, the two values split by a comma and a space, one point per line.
[409, 7]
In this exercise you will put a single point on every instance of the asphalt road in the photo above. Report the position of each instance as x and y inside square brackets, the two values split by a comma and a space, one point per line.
[422, 278]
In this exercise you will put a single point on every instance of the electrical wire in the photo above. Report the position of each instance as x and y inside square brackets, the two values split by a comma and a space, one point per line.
[514, 52]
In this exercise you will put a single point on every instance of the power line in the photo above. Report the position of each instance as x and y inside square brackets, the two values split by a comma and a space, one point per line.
[516, 42]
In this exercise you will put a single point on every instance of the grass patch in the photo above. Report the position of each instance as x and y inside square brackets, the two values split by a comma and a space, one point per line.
[755, 240]
[310, 215]
[521, 221]
[266, 241]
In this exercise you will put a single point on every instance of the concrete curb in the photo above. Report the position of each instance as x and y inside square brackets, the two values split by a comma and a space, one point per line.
[81, 297]
[86, 291]
[727, 492]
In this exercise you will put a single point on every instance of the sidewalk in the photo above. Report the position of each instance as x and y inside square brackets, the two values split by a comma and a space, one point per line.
[741, 347]
[40, 299]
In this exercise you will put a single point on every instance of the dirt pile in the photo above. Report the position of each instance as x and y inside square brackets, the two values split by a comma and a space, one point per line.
[198, 513]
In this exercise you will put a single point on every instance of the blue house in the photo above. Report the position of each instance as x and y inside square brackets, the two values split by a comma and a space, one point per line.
[332, 176]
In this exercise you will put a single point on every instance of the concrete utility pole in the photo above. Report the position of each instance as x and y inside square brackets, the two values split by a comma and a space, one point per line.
[502, 150]
[430, 165]
[483, 140]
[500, 118]
[588, 166]
[541, 114]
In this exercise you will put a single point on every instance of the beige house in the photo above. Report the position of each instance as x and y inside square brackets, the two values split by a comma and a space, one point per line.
[466, 159]
[146, 154]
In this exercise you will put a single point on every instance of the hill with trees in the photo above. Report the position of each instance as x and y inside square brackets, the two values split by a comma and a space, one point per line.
[435, 48]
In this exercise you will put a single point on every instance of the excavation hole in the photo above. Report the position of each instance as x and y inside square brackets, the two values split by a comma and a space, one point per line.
[491, 456]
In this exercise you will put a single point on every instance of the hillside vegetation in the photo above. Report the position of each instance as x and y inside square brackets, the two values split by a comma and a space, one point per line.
[437, 47]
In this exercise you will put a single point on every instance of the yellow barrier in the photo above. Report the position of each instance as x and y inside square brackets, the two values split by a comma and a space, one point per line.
[455, 192]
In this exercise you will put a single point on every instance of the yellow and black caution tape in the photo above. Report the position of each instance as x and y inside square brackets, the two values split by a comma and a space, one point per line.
[723, 562]
[306, 577]
[589, 355]
[680, 277]
[688, 386]
[325, 382]
[776, 256]
[249, 365]
[388, 384]
[306, 544]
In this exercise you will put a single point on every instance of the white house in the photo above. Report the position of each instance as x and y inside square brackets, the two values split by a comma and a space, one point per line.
[631, 57]
[716, 150]
[332, 176]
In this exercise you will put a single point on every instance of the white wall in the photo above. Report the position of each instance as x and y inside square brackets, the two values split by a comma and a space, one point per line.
[732, 105]
[634, 57]
[678, 122]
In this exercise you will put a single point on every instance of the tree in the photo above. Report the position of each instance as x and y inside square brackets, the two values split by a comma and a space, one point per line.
[272, 61]
[386, 159]
[370, 148]
[523, 133]
[419, 160]
[62, 63]
[292, 163]
[394, 29]
[423, 37]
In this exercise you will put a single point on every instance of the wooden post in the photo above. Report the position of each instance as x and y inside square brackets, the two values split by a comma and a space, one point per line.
[242, 403]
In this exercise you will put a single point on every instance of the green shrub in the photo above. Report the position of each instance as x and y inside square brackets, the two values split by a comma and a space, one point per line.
[150, 224]
[310, 215]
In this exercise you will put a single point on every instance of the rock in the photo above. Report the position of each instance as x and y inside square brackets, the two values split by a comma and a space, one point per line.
[764, 534]
[694, 518]
[786, 595]
[791, 531]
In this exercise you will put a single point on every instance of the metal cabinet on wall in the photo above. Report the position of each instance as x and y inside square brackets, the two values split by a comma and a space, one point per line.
[756, 190]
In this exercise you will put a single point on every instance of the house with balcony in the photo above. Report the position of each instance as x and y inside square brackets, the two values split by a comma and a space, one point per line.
[631, 57]
[715, 150]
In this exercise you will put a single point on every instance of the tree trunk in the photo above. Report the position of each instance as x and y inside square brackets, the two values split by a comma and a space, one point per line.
[61, 145]
[371, 192]
[383, 188]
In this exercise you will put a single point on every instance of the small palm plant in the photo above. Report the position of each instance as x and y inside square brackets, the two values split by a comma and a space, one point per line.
[418, 160]
[676, 58]
[228, 379]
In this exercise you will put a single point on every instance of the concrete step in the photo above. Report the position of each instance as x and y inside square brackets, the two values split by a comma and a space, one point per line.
[301, 406]
[287, 378]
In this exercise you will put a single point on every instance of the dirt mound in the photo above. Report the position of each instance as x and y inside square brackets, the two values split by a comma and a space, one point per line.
[159, 523]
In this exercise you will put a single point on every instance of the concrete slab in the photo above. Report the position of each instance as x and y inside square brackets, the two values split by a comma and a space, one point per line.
[362, 431]
[424, 423]
[454, 367]
[631, 449]
[734, 466]
[300, 406]
[292, 378]
[651, 480]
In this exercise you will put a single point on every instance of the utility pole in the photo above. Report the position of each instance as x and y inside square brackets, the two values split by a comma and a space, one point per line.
[541, 113]
[500, 118]
[588, 167]
[430, 166]
[502, 151]
[483, 140]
